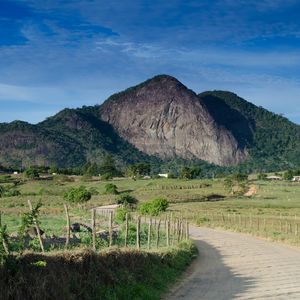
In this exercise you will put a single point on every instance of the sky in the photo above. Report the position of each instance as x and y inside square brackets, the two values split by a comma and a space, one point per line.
[56, 54]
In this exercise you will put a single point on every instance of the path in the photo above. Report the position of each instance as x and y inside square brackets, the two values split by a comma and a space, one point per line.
[238, 266]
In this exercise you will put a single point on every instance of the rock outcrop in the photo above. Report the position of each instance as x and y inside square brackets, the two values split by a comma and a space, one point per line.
[162, 117]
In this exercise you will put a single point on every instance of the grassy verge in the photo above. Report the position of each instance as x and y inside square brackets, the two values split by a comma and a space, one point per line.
[114, 274]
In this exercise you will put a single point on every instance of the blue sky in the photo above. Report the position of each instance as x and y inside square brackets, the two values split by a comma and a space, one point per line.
[56, 54]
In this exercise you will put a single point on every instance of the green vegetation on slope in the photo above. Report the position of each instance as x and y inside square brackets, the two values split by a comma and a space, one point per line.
[273, 141]
[115, 274]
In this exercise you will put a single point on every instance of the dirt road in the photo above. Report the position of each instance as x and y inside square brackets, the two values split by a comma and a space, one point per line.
[238, 266]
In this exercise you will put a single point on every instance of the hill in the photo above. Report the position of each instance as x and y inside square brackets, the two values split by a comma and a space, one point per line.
[272, 140]
[162, 122]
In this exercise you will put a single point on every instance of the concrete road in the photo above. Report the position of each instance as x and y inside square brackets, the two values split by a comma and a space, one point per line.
[238, 266]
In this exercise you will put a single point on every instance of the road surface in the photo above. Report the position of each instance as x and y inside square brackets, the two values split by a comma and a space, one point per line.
[238, 266]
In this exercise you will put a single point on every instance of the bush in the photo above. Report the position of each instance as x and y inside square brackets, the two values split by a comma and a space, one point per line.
[78, 195]
[154, 207]
[127, 200]
[107, 176]
[121, 215]
[31, 173]
[111, 188]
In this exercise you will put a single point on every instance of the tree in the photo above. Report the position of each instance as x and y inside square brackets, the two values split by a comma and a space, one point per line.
[111, 188]
[154, 207]
[288, 175]
[237, 184]
[108, 166]
[78, 195]
[186, 173]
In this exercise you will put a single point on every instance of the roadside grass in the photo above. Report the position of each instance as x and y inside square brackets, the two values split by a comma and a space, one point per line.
[112, 274]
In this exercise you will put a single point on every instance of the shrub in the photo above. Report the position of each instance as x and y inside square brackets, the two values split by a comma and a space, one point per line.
[154, 207]
[31, 173]
[107, 176]
[121, 215]
[127, 200]
[78, 195]
[111, 188]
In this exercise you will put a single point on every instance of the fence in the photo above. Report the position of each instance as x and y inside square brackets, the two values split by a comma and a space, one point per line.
[106, 230]
[277, 227]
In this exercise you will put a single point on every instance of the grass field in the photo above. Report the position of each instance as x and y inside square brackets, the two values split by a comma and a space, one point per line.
[206, 202]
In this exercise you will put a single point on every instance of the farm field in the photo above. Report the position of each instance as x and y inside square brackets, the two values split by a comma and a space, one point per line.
[204, 202]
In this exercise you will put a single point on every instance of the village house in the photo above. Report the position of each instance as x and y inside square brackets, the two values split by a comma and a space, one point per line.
[163, 175]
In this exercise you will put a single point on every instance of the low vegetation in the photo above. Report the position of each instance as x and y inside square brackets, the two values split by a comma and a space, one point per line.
[114, 274]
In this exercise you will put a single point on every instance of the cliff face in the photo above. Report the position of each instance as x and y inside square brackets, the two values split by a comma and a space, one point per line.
[162, 117]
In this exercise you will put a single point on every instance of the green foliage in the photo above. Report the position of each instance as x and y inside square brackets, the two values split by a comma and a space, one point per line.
[190, 172]
[131, 239]
[127, 200]
[78, 195]
[289, 174]
[237, 184]
[262, 176]
[121, 215]
[87, 240]
[3, 241]
[27, 219]
[272, 140]
[108, 166]
[39, 263]
[111, 188]
[31, 173]
[107, 176]
[8, 191]
[139, 169]
[154, 207]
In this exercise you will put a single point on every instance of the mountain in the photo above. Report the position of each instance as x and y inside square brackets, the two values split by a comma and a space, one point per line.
[157, 121]
[162, 117]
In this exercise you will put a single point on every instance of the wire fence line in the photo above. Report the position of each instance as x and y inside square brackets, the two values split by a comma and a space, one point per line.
[281, 227]
[100, 231]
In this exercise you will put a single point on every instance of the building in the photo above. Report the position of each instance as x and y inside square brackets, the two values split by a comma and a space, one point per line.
[163, 175]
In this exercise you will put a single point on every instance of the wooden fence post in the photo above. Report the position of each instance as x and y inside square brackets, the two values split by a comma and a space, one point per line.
[149, 233]
[138, 223]
[68, 226]
[157, 234]
[94, 228]
[168, 233]
[110, 229]
[37, 228]
[126, 230]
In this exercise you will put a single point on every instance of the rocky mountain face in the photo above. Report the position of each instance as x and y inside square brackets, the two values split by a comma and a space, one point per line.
[155, 121]
[162, 117]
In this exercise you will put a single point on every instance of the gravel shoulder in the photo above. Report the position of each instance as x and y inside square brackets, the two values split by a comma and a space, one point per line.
[238, 266]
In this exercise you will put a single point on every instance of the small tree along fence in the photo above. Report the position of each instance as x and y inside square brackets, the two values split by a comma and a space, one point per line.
[100, 231]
